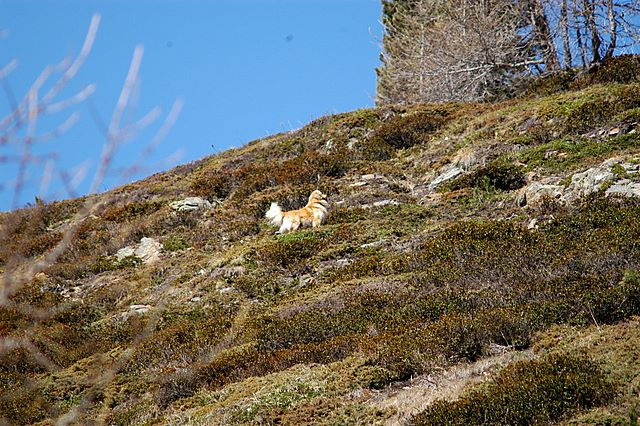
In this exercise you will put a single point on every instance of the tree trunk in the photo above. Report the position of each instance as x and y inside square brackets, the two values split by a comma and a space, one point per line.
[613, 29]
[590, 16]
[543, 35]
[566, 45]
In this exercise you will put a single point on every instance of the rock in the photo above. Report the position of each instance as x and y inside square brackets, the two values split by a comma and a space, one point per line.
[192, 203]
[136, 310]
[583, 184]
[625, 188]
[536, 193]
[533, 224]
[588, 182]
[343, 262]
[383, 203]
[451, 172]
[125, 252]
[139, 309]
[148, 250]
[372, 244]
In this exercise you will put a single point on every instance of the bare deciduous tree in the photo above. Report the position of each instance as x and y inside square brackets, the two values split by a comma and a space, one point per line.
[441, 50]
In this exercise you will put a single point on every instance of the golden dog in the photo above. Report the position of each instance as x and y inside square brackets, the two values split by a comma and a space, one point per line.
[312, 214]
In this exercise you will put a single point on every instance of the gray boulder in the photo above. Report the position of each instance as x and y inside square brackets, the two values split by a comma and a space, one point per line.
[192, 203]
[534, 194]
[449, 172]
[625, 188]
[588, 182]
[148, 250]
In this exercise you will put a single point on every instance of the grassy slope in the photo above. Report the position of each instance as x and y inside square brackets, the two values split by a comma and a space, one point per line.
[329, 324]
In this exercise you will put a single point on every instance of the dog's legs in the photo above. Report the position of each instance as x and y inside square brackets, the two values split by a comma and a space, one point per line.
[285, 227]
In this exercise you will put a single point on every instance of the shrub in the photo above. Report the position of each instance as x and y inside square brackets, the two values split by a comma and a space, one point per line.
[131, 211]
[499, 175]
[175, 243]
[622, 69]
[413, 128]
[290, 249]
[529, 392]
[244, 181]
[217, 183]
[181, 337]
[39, 244]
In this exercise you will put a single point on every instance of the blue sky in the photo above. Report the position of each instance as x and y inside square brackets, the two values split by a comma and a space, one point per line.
[244, 69]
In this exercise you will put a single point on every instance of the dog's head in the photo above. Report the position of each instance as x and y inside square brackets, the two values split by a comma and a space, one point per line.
[316, 196]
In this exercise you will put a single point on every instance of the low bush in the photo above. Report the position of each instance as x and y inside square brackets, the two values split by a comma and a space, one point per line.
[291, 249]
[175, 243]
[498, 175]
[623, 69]
[529, 392]
[244, 181]
[131, 211]
[413, 128]
[181, 337]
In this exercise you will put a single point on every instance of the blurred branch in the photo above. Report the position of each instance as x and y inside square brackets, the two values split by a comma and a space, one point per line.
[20, 129]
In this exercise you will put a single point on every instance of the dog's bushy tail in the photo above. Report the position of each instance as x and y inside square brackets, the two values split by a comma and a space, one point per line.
[274, 214]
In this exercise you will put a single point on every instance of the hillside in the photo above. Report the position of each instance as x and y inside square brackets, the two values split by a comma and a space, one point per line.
[480, 263]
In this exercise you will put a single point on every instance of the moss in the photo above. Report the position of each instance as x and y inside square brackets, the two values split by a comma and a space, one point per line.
[175, 243]
[528, 392]
[593, 109]
[129, 262]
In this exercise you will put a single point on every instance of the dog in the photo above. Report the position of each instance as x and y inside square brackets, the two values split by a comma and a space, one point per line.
[313, 214]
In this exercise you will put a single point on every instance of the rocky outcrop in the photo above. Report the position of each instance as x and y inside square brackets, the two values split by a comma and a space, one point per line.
[148, 250]
[588, 182]
[448, 173]
[193, 203]
[614, 172]
[536, 193]
[625, 188]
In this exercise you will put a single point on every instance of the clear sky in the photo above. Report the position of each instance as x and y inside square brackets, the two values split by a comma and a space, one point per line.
[243, 68]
